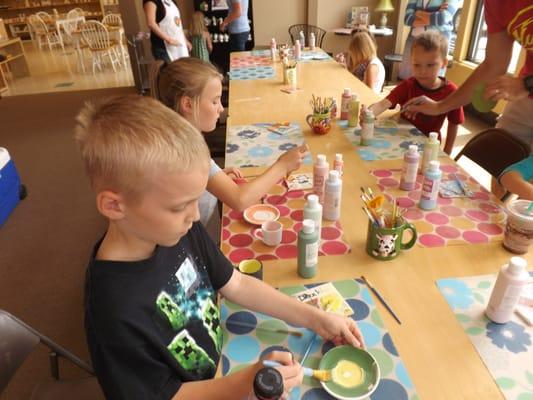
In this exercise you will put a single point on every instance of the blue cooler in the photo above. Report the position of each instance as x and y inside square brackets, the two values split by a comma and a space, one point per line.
[9, 186]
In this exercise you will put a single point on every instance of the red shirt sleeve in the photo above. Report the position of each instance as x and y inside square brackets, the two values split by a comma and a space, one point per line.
[493, 9]
[398, 95]
[456, 116]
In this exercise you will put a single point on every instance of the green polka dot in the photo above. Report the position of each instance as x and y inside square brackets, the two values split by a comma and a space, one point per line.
[463, 318]
[474, 331]
[529, 377]
[268, 337]
[237, 368]
[525, 396]
[348, 288]
[415, 397]
[479, 298]
[232, 306]
[506, 383]
[311, 362]
[376, 318]
[384, 360]
[292, 290]
[483, 285]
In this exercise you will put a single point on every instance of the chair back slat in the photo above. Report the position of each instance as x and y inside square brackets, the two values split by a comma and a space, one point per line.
[95, 35]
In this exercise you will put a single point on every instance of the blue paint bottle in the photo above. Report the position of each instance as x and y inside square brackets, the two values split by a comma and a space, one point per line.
[430, 187]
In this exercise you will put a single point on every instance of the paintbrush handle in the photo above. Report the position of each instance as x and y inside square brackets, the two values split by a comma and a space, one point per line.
[275, 330]
[274, 364]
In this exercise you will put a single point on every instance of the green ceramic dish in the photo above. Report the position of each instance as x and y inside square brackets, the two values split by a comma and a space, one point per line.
[363, 359]
[479, 102]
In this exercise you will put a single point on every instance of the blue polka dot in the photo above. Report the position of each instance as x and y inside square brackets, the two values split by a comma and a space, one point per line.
[387, 130]
[389, 345]
[308, 159]
[371, 334]
[298, 345]
[245, 317]
[295, 393]
[365, 294]
[317, 394]
[243, 349]
[403, 376]
[223, 312]
[287, 146]
[225, 365]
[367, 155]
[415, 132]
[260, 151]
[357, 132]
[389, 389]
[359, 308]
[313, 285]
[342, 123]
[271, 349]
[380, 143]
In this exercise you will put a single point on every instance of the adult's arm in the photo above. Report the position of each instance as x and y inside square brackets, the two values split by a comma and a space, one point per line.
[235, 12]
[150, 9]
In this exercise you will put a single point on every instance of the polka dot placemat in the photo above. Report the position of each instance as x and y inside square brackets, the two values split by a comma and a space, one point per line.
[245, 61]
[506, 349]
[243, 346]
[253, 72]
[256, 146]
[455, 220]
[315, 55]
[238, 242]
[390, 141]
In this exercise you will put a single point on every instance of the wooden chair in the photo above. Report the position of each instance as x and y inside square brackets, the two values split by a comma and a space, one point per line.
[294, 31]
[42, 34]
[112, 20]
[18, 340]
[96, 36]
[74, 13]
[494, 150]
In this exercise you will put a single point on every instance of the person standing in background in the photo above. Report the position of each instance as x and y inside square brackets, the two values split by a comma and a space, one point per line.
[423, 15]
[200, 37]
[237, 24]
[166, 30]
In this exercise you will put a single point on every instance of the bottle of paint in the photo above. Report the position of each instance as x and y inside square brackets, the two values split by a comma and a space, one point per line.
[297, 50]
[430, 187]
[273, 49]
[320, 172]
[333, 111]
[302, 40]
[345, 103]
[307, 249]
[313, 211]
[338, 163]
[431, 150]
[353, 111]
[367, 127]
[268, 385]
[410, 168]
[312, 41]
[506, 293]
[332, 196]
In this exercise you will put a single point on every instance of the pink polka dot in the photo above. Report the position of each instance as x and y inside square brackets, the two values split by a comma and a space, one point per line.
[235, 215]
[451, 211]
[448, 168]
[330, 248]
[241, 240]
[475, 237]
[382, 173]
[225, 221]
[225, 234]
[437, 218]
[477, 215]
[414, 194]
[381, 187]
[265, 257]
[297, 215]
[287, 251]
[283, 210]
[481, 196]
[420, 179]
[431, 240]
[405, 202]
[413, 213]
[490, 229]
[338, 225]
[288, 237]
[442, 201]
[448, 232]
[418, 186]
[276, 199]
[238, 255]
[330, 233]
[295, 194]
[490, 208]
[297, 227]
[389, 182]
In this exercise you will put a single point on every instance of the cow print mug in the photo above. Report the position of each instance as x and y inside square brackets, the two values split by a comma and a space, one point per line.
[385, 243]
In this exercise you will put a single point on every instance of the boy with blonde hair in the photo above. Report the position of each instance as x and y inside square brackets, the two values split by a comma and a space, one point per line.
[428, 57]
[152, 321]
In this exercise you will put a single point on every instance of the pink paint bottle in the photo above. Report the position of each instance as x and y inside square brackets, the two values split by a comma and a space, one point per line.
[320, 173]
[410, 168]
[338, 163]
[345, 103]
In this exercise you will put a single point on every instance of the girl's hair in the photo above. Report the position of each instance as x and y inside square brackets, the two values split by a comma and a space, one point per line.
[185, 76]
[362, 49]
[197, 27]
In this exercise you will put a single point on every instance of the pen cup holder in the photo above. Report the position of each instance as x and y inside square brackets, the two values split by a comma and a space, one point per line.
[319, 123]
[385, 244]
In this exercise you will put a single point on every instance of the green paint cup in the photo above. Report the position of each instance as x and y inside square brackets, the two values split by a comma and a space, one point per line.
[386, 243]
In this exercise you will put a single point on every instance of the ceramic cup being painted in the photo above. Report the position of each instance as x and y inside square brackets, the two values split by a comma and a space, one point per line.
[270, 233]
[519, 228]
[251, 267]
[319, 123]
[386, 243]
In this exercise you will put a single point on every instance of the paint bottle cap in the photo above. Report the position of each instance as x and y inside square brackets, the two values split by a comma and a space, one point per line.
[338, 157]
[517, 265]
[333, 175]
[268, 383]
[312, 201]
[355, 97]
[308, 226]
[413, 148]
[321, 159]
[433, 137]
[347, 92]
[434, 165]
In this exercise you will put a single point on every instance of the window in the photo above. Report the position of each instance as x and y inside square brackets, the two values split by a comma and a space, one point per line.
[478, 41]
[455, 21]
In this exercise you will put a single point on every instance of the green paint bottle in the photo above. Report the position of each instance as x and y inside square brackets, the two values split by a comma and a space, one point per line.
[307, 249]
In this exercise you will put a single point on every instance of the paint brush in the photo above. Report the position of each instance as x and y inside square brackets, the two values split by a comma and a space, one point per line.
[381, 299]
[320, 374]
[264, 328]
[460, 184]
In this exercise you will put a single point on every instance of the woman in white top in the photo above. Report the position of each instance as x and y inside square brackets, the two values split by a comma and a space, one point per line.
[362, 61]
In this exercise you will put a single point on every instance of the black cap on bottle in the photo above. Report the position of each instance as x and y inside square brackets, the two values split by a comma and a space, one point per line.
[268, 384]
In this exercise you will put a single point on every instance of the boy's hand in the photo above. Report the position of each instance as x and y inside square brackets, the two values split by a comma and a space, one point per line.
[420, 104]
[292, 159]
[236, 172]
[340, 330]
[362, 113]
[506, 88]
[341, 59]
[291, 371]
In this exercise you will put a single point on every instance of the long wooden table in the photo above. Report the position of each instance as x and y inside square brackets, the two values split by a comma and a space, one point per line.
[437, 353]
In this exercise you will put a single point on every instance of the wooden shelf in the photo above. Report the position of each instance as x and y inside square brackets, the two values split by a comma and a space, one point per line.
[50, 6]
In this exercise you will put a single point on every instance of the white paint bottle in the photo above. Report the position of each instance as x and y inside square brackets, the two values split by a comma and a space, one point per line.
[320, 172]
[332, 197]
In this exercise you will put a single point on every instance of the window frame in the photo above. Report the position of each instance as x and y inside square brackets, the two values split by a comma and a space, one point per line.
[479, 20]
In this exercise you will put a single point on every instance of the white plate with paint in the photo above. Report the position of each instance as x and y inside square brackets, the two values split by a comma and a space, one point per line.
[259, 213]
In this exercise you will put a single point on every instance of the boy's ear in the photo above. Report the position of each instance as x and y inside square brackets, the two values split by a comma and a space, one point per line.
[186, 105]
[110, 204]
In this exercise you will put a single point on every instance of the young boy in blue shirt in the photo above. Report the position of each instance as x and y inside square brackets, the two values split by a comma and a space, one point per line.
[518, 178]
[152, 321]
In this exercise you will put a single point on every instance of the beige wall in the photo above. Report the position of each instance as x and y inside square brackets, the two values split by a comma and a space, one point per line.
[272, 18]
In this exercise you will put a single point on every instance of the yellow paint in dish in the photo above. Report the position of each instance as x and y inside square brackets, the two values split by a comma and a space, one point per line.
[347, 374]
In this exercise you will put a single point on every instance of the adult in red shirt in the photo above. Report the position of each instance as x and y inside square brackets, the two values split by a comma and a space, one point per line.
[507, 21]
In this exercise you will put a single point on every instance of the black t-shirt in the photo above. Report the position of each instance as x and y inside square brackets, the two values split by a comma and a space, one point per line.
[160, 13]
[153, 324]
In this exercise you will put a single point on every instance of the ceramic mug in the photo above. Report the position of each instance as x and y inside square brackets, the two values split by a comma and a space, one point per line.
[386, 243]
[270, 233]
[319, 123]
[290, 77]
[251, 267]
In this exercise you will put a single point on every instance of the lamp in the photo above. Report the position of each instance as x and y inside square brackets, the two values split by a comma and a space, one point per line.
[384, 6]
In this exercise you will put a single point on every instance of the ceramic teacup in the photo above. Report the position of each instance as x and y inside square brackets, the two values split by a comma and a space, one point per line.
[270, 233]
